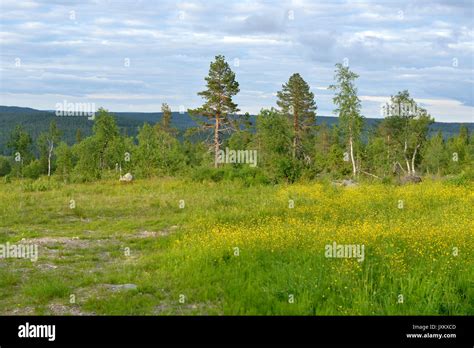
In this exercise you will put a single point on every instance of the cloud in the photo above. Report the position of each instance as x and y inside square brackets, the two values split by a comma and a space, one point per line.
[78, 49]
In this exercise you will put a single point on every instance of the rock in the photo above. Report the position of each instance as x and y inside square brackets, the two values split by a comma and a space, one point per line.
[60, 309]
[126, 178]
[120, 287]
[410, 179]
[47, 266]
[349, 183]
[146, 234]
[151, 234]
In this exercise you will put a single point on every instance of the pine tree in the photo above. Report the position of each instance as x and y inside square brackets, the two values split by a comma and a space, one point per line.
[20, 143]
[296, 101]
[166, 117]
[218, 108]
[78, 135]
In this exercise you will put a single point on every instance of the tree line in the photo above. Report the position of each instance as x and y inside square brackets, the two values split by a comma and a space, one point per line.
[289, 145]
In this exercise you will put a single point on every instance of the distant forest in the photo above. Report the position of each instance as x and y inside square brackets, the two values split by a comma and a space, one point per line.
[286, 143]
[36, 122]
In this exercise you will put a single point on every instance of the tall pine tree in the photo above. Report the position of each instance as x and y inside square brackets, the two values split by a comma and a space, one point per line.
[219, 108]
[296, 101]
[166, 117]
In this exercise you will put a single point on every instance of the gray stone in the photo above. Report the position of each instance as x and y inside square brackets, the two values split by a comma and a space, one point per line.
[410, 179]
[120, 287]
[127, 178]
[349, 183]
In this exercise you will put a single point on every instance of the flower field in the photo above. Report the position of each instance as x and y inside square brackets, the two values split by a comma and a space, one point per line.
[227, 249]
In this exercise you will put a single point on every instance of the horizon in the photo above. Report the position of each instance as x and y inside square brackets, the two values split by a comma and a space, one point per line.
[135, 58]
[254, 115]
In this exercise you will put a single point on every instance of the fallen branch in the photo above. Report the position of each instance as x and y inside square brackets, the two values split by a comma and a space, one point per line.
[400, 166]
[375, 176]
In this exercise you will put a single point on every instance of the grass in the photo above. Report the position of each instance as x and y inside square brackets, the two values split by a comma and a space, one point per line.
[237, 250]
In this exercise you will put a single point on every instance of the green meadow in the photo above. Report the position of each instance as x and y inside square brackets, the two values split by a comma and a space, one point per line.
[178, 247]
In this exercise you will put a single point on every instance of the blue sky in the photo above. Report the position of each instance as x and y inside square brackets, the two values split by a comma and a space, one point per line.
[134, 55]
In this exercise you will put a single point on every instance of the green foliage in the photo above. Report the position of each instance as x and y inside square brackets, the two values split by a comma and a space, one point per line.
[218, 111]
[105, 133]
[206, 173]
[241, 139]
[377, 157]
[246, 175]
[459, 152]
[165, 123]
[5, 166]
[296, 101]
[289, 146]
[20, 144]
[348, 110]
[87, 160]
[46, 143]
[157, 153]
[274, 140]
[195, 154]
[465, 178]
[434, 155]
[40, 184]
[406, 126]
[281, 249]
[65, 161]
[33, 170]
[221, 87]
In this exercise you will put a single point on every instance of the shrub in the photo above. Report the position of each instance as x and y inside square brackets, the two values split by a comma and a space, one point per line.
[5, 166]
[464, 178]
[33, 170]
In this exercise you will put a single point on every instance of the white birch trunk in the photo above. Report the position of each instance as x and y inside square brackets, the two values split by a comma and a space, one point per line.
[352, 157]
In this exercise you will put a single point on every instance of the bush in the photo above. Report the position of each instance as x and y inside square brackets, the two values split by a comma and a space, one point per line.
[464, 178]
[246, 175]
[5, 166]
[206, 173]
[388, 180]
[33, 170]
[42, 184]
[7, 179]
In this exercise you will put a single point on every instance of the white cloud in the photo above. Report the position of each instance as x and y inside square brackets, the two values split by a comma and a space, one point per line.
[392, 45]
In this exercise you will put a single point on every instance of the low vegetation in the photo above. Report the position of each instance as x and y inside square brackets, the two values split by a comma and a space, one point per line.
[230, 248]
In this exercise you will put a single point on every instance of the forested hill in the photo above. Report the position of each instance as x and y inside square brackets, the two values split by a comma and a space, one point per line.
[37, 121]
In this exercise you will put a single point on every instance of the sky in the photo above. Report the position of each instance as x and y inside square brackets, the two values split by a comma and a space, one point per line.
[133, 55]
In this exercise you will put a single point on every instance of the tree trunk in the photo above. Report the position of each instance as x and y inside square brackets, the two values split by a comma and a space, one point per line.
[296, 135]
[406, 158]
[352, 157]
[216, 143]
[413, 160]
[50, 153]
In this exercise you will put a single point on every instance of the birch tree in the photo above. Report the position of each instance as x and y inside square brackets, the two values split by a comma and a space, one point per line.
[407, 124]
[348, 109]
[48, 141]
